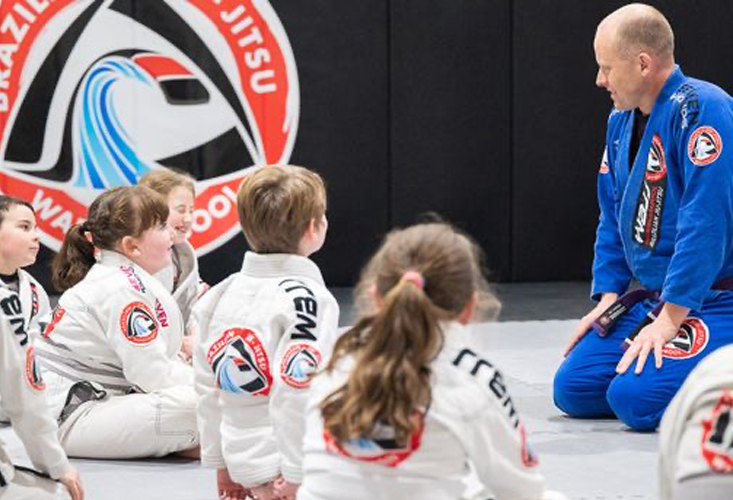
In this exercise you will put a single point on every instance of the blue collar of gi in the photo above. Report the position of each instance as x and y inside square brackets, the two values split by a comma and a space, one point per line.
[671, 85]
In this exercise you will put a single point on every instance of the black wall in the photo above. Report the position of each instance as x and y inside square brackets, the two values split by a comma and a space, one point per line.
[484, 111]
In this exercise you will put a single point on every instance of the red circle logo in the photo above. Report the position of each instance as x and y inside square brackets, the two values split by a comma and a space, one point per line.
[705, 146]
[691, 339]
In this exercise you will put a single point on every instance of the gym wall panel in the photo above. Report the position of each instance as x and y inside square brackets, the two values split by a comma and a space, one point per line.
[449, 118]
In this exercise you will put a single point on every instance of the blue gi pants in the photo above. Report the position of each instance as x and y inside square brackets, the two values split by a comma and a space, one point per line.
[587, 386]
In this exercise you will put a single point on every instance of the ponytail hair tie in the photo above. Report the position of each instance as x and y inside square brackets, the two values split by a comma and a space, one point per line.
[415, 278]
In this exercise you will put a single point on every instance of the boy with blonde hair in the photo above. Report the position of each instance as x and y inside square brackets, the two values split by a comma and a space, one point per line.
[262, 333]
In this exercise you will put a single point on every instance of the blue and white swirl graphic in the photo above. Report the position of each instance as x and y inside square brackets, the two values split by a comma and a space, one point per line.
[106, 155]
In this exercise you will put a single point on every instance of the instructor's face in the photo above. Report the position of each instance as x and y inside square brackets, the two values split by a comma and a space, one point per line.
[621, 76]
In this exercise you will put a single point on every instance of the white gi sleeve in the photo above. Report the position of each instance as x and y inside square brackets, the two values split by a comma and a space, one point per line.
[133, 331]
[207, 407]
[304, 348]
[22, 392]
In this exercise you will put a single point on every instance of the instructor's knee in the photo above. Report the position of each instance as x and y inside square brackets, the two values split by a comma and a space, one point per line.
[633, 403]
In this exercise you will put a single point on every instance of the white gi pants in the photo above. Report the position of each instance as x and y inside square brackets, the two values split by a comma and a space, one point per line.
[29, 486]
[133, 426]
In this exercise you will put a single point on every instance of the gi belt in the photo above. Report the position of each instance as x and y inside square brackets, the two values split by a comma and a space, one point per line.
[610, 316]
[724, 284]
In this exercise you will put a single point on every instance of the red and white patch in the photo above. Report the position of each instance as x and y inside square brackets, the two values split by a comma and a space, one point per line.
[32, 373]
[239, 361]
[705, 146]
[138, 324]
[604, 169]
[379, 449]
[691, 340]
[717, 438]
[34, 300]
[299, 365]
[58, 314]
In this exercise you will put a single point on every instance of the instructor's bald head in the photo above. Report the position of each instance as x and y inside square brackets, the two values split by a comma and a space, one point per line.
[638, 28]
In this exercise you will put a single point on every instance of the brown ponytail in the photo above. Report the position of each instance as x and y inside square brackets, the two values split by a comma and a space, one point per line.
[114, 214]
[394, 344]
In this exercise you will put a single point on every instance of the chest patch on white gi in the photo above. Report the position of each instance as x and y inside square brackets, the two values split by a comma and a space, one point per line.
[648, 221]
[32, 373]
[691, 340]
[138, 324]
[717, 439]
[381, 448]
[58, 313]
[705, 146]
[239, 361]
[299, 364]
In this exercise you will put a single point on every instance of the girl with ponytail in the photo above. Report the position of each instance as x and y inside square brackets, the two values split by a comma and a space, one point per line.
[110, 351]
[405, 403]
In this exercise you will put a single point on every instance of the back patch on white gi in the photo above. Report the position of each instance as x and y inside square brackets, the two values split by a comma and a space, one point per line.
[299, 364]
[239, 361]
[691, 340]
[381, 448]
[717, 439]
[705, 146]
[138, 324]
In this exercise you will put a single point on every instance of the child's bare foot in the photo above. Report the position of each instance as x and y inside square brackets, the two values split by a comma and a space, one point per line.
[228, 489]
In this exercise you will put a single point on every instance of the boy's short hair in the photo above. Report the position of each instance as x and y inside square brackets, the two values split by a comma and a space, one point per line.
[8, 202]
[276, 204]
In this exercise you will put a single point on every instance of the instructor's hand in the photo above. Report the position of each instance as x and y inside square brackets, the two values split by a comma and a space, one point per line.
[586, 321]
[72, 481]
[653, 337]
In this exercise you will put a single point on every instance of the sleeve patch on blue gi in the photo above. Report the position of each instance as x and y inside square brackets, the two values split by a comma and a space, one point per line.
[705, 146]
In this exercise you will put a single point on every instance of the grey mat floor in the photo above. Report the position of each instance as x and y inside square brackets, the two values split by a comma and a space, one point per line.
[588, 460]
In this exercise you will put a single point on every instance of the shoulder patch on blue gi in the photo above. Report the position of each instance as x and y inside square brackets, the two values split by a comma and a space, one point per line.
[300, 363]
[604, 169]
[58, 314]
[691, 340]
[32, 373]
[717, 439]
[239, 361]
[381, 448]
[133, 278]
[467, 360]
[705, 146]
[138, 324]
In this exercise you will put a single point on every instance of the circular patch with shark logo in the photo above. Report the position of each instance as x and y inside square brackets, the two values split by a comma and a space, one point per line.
[705, 146]
[239, 361]
[691, 339]
[32, 373]
[138, 324]
[299, 364]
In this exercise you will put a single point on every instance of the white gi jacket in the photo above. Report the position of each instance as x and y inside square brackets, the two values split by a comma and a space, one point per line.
[21, 385]
[696, 434]
[119, 328]
[471, 417]
[261, 333]
[187, 288]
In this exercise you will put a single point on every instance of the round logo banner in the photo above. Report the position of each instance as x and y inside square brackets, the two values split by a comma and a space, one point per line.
[98, 94]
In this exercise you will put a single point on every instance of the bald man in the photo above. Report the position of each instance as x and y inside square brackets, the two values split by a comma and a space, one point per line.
[665, 189]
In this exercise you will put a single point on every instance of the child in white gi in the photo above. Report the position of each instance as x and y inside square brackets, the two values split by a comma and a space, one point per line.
[405, 403]
[696, 435]
[182, 276]
[261, 334]
[21, 386]
[110, 353]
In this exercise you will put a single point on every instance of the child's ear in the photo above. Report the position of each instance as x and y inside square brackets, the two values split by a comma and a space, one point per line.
[466, 315]
[128, 246]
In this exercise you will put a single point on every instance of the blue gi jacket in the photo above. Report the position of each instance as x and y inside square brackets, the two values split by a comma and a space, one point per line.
[668, 221]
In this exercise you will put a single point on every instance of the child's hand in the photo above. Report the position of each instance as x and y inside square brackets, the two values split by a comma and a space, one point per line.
[264, 491]
[285, 489]
[228, 489]
[73, 483]
[187, 348]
